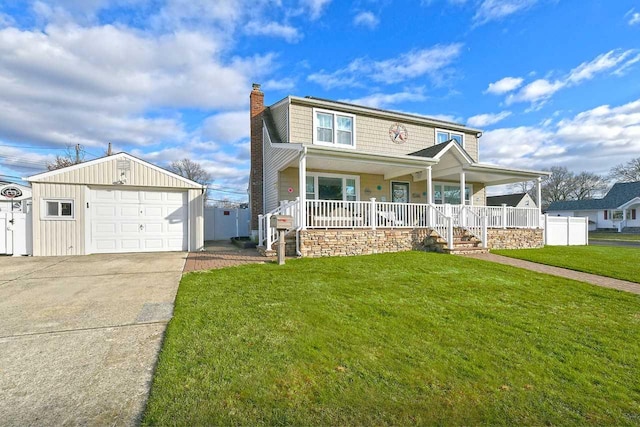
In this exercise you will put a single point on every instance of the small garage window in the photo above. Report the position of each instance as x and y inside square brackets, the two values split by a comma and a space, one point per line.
[57, 209]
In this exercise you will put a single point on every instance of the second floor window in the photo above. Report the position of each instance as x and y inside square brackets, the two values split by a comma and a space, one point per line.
[332, 128]
[445, 135]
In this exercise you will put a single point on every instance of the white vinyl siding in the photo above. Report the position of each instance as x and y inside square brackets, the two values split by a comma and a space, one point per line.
[275, 159]
[72, 237]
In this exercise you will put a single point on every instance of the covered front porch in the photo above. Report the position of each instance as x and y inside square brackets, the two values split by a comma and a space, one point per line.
[440, 188]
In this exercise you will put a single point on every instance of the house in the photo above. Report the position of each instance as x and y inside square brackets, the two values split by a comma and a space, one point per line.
[115, 204]
[618, 210]
[364, 180]
[517, 200]
[14, 197]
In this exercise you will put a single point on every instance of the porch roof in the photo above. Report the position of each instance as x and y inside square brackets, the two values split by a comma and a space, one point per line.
[345, 160]
[447, 163]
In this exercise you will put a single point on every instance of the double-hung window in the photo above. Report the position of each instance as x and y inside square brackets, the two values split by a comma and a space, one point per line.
[57, 209]
[445, 135]
[333, 128]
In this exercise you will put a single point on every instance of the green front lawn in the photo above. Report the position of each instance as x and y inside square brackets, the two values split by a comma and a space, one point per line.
[396, 339]
[603, 235]
[611, 261]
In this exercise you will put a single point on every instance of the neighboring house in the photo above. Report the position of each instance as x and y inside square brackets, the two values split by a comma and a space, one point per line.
[373, 180]
[14, 197]
[619, 209]
[517, 200]
[115, 204]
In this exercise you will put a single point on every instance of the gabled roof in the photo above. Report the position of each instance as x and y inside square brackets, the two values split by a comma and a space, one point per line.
[620, 194]
[122, 155]
[438, 150]
[505, 199]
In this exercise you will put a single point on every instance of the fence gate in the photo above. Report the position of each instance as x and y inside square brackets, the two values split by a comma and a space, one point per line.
[223, 223]
[15, 233]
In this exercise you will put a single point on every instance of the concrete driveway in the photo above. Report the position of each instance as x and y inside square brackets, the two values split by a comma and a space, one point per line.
[79, 336]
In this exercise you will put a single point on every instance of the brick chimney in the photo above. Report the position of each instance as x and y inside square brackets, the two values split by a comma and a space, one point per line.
[255, 177]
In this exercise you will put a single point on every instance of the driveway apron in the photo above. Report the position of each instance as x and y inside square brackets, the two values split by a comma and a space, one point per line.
[79, 336]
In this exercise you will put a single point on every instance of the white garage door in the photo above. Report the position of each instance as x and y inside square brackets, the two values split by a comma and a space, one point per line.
[138, 221]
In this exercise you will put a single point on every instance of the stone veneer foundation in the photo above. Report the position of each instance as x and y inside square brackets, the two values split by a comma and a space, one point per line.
[339, 242]
[515, 238]
[346, 242]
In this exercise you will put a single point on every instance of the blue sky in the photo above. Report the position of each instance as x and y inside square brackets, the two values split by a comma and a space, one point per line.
[550, 82]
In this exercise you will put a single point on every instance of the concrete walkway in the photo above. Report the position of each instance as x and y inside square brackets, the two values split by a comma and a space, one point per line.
[606, 282]
[79, 336]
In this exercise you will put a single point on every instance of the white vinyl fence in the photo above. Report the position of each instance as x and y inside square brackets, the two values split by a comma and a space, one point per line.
[15, 233]
[223, 223]
[566, 231]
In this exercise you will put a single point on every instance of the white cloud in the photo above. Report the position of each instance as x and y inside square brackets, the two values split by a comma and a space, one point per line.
[227, 127]
[535, 92]
[504, 85]
[283, 84]
[273, 29]
[6, 20]
[90, 85]
[445, 117]
[541, 90]
[366, 19]
[482, 120]
[315, 7]
[432, 62]
[593, 140]
[634, 17]
[603, 62]
[383, 100]
[494, 10]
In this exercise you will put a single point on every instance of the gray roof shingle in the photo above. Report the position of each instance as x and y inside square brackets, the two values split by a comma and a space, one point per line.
[433, 151]
[620, 193]
[507, 199]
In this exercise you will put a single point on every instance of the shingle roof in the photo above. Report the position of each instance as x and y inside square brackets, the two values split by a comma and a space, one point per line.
[435, 149]
[271, 127]
[619, 194]
[507, 199]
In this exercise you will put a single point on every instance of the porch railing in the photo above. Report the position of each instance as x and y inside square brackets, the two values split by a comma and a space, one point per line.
[267, 235]
[373, 214]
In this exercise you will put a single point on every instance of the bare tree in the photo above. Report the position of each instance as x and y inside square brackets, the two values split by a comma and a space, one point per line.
[558, 186]
[72, 156]
[627, 172]
[587, 185]
[191, 170]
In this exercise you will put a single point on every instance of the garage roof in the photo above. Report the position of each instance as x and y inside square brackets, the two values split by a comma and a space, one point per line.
[120, 169]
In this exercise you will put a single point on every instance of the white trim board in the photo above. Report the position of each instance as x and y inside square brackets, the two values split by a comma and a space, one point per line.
[38, 177]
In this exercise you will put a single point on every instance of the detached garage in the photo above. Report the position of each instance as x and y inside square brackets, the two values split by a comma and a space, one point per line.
[115, 204]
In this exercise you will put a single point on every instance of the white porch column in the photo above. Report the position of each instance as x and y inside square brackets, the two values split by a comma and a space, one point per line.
[539, 195]
[462, 187]
[302, 189]
[429, 186]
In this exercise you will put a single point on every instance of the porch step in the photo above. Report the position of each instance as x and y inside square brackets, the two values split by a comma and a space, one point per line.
[464, 251]
[463, 243]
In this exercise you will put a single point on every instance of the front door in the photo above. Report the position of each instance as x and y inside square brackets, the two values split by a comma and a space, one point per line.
[400, 192]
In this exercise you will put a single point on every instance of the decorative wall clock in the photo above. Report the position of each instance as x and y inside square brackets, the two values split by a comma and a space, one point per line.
[398, 133]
